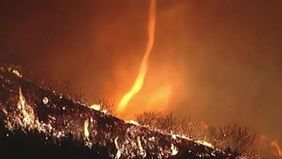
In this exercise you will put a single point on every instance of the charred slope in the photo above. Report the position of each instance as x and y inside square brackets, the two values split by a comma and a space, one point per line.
[36, 123]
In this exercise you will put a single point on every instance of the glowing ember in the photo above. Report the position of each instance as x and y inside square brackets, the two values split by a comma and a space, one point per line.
[45, 100]
[138, 84]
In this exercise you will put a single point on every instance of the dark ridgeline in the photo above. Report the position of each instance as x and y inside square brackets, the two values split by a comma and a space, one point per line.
[37, 123]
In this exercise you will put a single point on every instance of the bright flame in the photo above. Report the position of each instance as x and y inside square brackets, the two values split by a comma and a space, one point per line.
[203, 142]
[277, 147]
[17, 73]
[26, 110]
[174, 150]
[138, 84]
[96, 107]
[85, 129]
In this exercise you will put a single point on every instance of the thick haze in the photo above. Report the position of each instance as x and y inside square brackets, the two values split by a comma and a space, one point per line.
[219, 61]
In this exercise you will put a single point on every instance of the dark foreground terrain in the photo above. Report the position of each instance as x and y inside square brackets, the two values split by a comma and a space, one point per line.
[37, 123]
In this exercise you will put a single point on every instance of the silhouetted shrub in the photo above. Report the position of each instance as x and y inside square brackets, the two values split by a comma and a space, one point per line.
[170, 123]
[239, 140]
[232, 138]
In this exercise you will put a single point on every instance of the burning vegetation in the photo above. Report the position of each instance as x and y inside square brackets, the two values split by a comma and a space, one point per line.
[37, 121]
[238, 140]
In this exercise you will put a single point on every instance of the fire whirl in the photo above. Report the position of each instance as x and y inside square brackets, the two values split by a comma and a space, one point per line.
[138, 84]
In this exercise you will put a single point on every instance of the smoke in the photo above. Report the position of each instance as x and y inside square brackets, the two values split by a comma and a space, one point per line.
[219, 61]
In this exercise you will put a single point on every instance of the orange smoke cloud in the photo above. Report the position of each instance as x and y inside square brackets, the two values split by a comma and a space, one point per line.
[138, 84]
